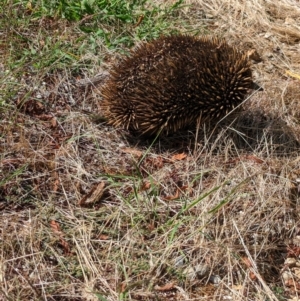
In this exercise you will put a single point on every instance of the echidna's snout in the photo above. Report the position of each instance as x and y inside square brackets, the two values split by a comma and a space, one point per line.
[166, 84]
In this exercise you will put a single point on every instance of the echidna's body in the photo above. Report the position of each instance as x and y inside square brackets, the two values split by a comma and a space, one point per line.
[171, 82]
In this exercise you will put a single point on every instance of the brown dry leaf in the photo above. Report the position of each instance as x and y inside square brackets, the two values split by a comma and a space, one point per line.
[158, 162]
[247, 262]
[154, 163]
[184, 187]
[55, 227]
[39, 105]
[140, 19]
[55, 177]
[252, 276]
[65, 246]
[56, 230]
[123, 287]
[179, 157]
[55, 185]
[166, 287]
[145, 186]
[151, 226]
[128, 189]
[93, 196]
[53, 122]
[45, 117]
[103, 237]
[172, 197]
[132, 151]
[254, 159]
[54, 145]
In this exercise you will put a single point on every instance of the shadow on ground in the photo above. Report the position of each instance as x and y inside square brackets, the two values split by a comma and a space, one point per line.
[251, 131]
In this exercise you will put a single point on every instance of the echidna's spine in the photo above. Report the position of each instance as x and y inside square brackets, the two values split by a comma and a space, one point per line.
[171, 82]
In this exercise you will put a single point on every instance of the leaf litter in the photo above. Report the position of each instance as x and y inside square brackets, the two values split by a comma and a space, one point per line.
[125, 220]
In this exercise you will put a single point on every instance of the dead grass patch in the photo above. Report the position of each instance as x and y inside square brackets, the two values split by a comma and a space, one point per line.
[211, 219]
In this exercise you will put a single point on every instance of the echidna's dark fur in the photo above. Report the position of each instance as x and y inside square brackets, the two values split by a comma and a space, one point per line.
[171, 82]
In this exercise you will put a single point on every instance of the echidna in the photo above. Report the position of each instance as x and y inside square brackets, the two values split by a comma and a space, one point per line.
[173, 81]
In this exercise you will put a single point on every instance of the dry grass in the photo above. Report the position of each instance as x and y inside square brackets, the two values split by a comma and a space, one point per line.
[90, 213]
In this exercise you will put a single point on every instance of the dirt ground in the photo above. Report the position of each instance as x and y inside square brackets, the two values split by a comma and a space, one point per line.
[90, 212]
